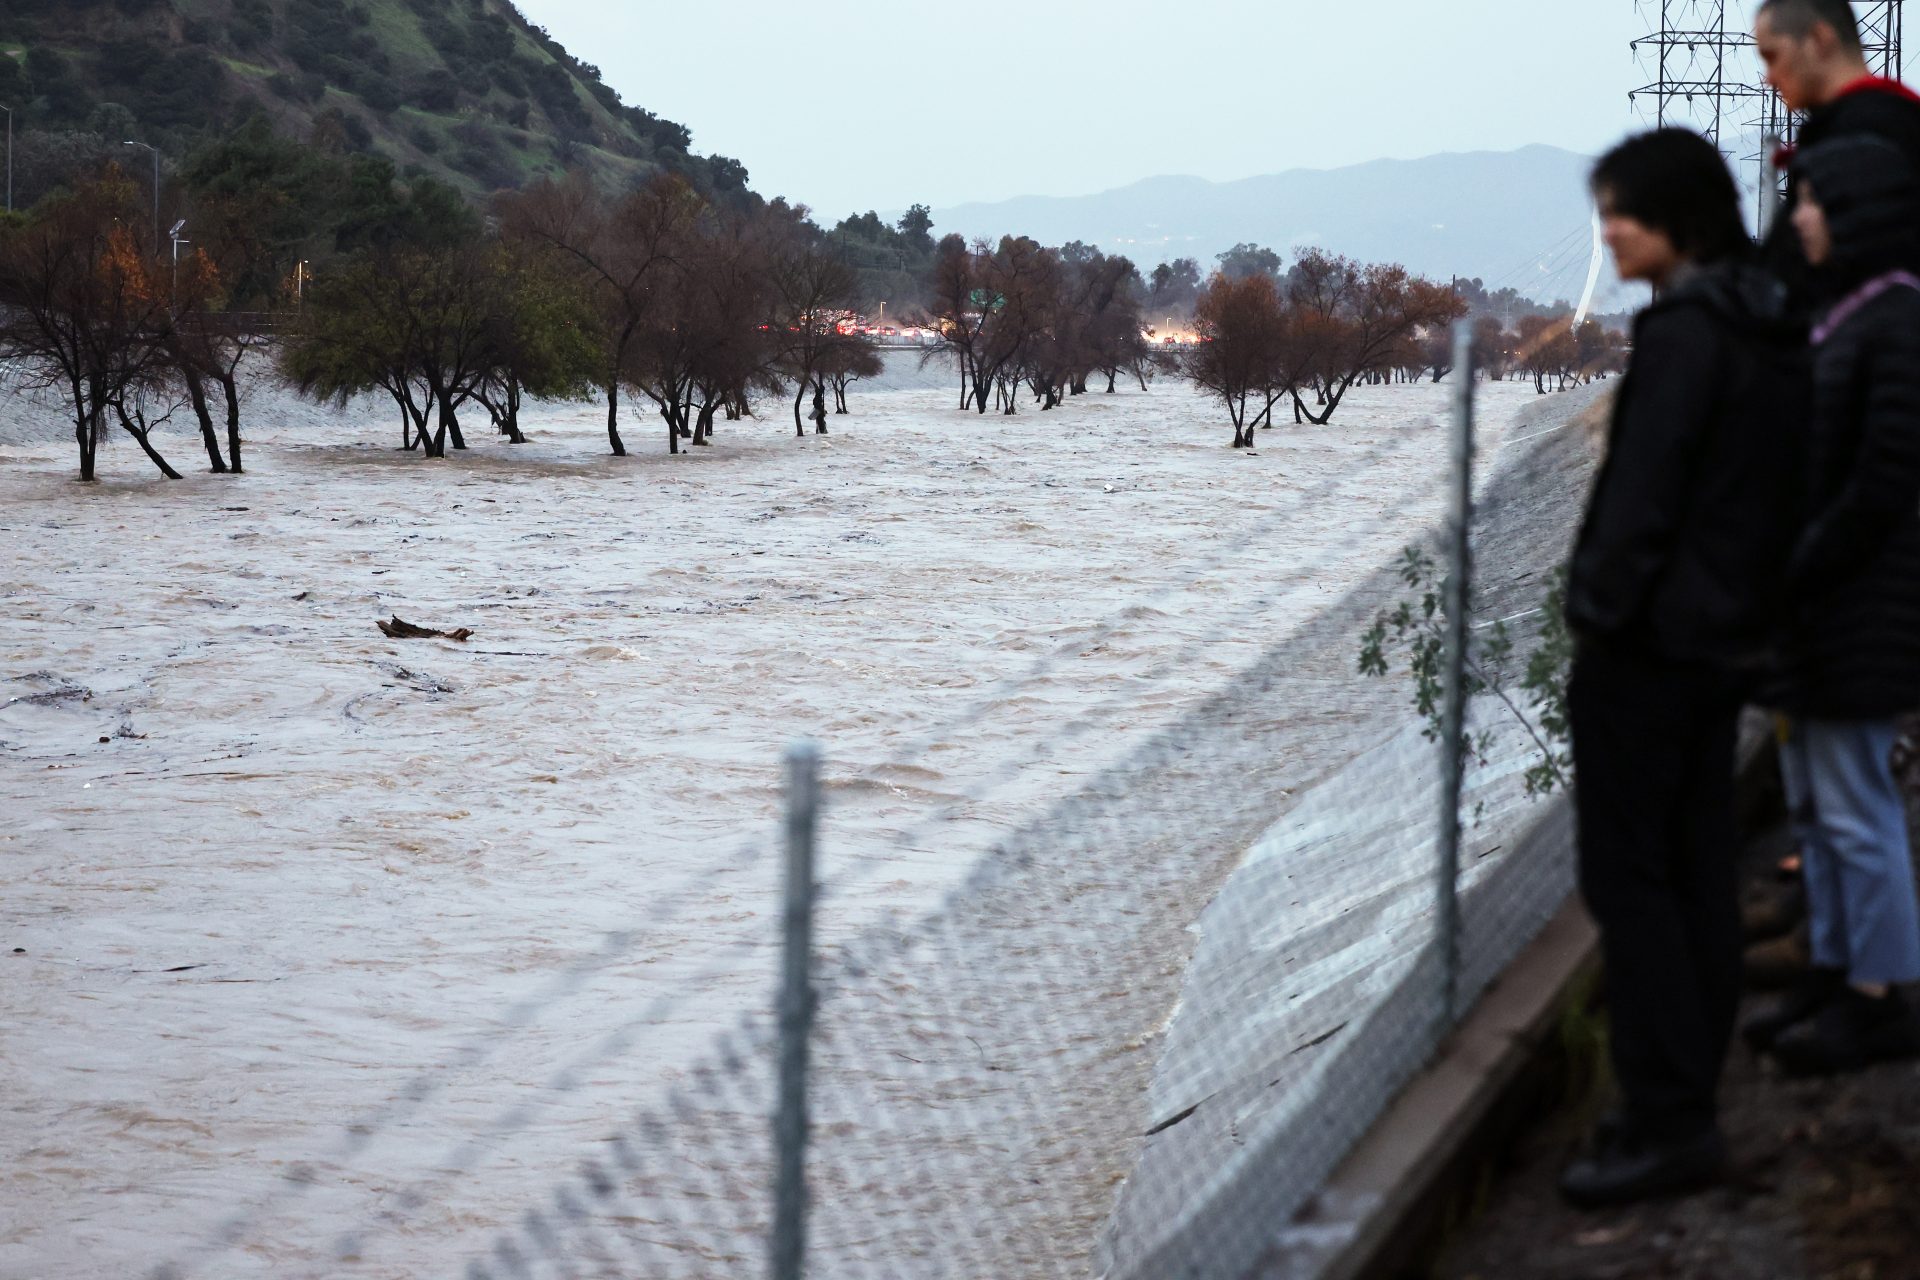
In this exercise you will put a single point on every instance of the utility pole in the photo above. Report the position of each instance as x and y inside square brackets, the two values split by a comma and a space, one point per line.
[9, 111]
[156, 189]
[173, 291]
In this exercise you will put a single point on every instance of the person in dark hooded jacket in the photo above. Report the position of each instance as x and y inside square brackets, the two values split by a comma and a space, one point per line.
[1852, 657]
[1672, 595]
[1816, 62]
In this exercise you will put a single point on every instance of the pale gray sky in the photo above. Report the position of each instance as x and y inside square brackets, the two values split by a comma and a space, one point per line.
[855, 104]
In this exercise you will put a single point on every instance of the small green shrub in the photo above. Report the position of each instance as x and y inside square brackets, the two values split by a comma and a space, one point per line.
[1416, 628]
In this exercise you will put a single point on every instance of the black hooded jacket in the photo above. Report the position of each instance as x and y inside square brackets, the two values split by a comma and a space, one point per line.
[1694, 511]
[1853, 649]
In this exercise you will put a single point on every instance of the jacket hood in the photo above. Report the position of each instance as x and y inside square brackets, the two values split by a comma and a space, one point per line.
[1871, 196]
[1740, 292]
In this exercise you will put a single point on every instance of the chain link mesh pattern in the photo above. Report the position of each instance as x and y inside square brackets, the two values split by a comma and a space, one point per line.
[1137, 1039]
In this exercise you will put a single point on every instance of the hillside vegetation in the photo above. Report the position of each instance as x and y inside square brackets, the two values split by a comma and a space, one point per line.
[467, 91]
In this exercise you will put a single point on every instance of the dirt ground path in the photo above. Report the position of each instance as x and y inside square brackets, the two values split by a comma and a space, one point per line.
[1826, 1183]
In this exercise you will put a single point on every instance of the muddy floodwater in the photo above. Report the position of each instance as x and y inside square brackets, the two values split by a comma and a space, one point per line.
[267, 869]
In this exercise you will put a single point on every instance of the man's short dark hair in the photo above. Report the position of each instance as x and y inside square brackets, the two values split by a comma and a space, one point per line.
[1676, 182]
[1798, 17]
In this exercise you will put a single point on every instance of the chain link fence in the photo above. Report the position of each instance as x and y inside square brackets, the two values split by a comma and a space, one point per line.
[1135, 1040]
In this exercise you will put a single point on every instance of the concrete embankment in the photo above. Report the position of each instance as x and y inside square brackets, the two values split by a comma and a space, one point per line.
[1316, 991]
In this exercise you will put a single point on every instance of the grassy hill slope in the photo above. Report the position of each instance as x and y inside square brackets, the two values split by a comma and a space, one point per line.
[467, 91]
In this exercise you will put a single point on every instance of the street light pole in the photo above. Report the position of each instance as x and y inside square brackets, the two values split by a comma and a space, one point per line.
[9, 111]
[173, 290]
[156, 189]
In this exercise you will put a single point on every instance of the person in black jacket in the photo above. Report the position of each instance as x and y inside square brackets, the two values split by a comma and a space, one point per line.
[1852, 661]
[1673, 598]
[1815, 62]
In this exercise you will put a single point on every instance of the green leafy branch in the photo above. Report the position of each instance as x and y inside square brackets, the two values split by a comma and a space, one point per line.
[1416, 627]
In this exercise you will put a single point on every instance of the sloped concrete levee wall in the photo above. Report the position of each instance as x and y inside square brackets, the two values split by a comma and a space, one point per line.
[1317, 990]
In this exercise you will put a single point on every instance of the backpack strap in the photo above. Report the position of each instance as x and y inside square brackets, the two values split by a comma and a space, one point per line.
[1849, 306]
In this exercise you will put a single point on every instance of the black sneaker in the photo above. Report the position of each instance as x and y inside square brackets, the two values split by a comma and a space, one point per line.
[1815, 990]
[1777, 964]
[1625, 1167]
[1769, 911]
[1852, 1032]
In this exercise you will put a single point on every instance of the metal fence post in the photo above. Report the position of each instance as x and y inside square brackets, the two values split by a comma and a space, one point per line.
[1770, 201]
[1459, 593]
[788, 1248]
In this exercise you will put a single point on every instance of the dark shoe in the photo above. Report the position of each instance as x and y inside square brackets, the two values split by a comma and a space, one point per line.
[1777, 965]
[1852, 1032]
[1816, 989]
[1624, 1168]
[1769, 910]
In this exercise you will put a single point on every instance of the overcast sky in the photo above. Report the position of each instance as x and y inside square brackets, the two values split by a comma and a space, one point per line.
[854, 104]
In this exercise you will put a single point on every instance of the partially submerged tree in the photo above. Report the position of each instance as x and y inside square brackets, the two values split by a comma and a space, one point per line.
[1492, 347]
[355, 335]
[201, 348]
[541, 336]
[811, 287]
[1242, 331]
[960, 306]
[1546, 349]
[1348, 318]
[622, 247]
[848, 363]
[81, 309]
[700, 348]
[1330, 324]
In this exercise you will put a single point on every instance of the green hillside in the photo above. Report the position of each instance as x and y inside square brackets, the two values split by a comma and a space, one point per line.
[464, 90]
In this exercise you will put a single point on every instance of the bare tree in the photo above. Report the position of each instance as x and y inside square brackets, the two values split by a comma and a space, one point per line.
[960, 306]
[1347, 319]
[847, 364]
[205, 346]
[812, 287]
[81, 309]
[736, 354]
[1492, 347]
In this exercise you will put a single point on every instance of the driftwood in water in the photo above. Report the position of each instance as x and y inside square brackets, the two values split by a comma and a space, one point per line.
[407, 631]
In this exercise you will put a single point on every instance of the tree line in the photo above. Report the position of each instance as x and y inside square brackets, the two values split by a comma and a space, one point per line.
[694, 303]
[1548, 348]
[101, 305]
[690, 301]
[1302, 338]
[1298, 339]
[1018, 314]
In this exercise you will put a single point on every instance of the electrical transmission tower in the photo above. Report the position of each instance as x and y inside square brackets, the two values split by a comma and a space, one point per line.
[1880, 36]
[1698, 69]
[1702, 73]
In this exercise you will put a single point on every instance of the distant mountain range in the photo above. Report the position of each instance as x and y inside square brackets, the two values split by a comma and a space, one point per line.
[1512, 218]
